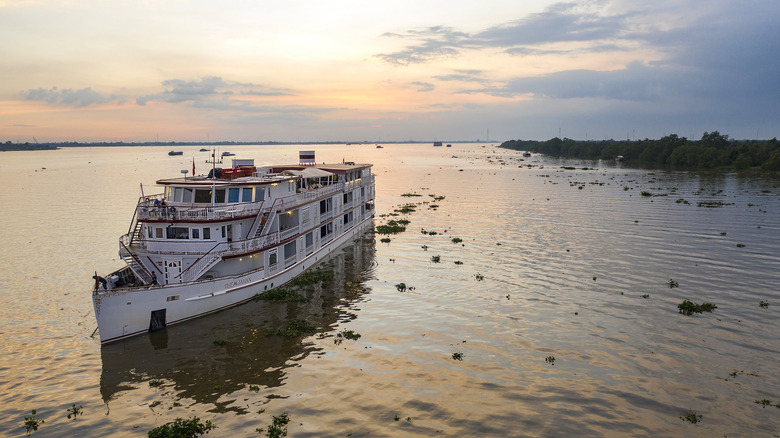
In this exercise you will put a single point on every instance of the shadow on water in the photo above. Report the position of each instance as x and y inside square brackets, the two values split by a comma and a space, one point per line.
[208, 358]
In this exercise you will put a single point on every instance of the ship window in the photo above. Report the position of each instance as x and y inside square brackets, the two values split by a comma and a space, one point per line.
[158, 233]
[326, 205]
[187, 195]
[233, 195]
[203, 196]
[195, 233]
[177, 233]
[177, 194]
[259, 193]
[246, 194]
[207, 233]
[150, 232]
[272, 259]
[289, 250]
[309, 240]
[219, 196]
[223, 231]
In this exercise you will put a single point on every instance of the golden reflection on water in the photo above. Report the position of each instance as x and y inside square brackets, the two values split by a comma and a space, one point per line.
[564, 272]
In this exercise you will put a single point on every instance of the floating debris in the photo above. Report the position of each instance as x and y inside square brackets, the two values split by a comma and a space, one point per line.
[691, 417]
[689, 307]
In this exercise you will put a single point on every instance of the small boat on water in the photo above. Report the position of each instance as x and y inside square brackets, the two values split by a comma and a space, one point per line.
[438, 143]
[209, 242]
[204, 150]
[619, 158]
[227, 154]
[175, 153]
[379, 146]
[449, 145]
[526, 154]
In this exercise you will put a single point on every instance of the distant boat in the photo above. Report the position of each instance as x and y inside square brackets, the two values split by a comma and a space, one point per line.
[227, 154]
[204, 150]
[526, 154]
[379, 146]
[175, 153]
[619, 158]
[437, 143]
[449, 145]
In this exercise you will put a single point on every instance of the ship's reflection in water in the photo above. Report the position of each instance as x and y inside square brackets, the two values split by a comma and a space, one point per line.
[205, 359]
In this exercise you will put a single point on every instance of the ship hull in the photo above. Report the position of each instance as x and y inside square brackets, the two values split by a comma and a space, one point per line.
[127, 312]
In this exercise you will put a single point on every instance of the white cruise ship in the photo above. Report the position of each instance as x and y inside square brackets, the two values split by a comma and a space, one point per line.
[211, 242]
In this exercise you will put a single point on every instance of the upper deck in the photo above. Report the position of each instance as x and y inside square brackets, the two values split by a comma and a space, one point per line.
[245, 191]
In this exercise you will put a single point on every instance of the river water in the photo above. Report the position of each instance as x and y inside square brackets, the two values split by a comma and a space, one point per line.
[508, 263]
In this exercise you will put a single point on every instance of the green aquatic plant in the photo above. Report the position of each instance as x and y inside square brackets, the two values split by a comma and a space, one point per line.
[689, 307]
[458, 262]
[691, 417]
[646, 296]
[457, 356]
[254, 388]
[346, 334]
[312, 277]
[154, 383]
[74, 411]
[31, 422]
[435, 259]
[740, 245]
[764, 403]
[295, 328]
[277, 428]
[390, 229]
[763, 304]
[713, 204]
[457, 240]
[406, 209]
[220, 342]
[181, 428]
[385, 240]
[672, 284]
[479, 276]
[550, 360]
[410, 195]
[401, 287]
[281, 295]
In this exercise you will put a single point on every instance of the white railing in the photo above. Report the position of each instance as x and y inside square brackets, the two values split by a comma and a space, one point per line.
[179, 212]
[289, 261]
[289, 232]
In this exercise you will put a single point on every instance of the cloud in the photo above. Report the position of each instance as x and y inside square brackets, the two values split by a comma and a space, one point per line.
[635, 82]
[74, 98]
[207, 89]
[435, 43]
[583, 22]
[463, 76]
[424, 86]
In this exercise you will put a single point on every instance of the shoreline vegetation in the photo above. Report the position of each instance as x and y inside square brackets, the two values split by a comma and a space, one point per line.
[712, 151]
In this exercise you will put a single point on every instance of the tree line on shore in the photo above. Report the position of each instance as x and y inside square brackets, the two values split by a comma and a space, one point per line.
[713, 150]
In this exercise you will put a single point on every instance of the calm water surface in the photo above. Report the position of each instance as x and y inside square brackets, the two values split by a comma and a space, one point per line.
[568, 263]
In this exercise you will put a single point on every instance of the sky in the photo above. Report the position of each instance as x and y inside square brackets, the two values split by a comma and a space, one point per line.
[401, 70]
